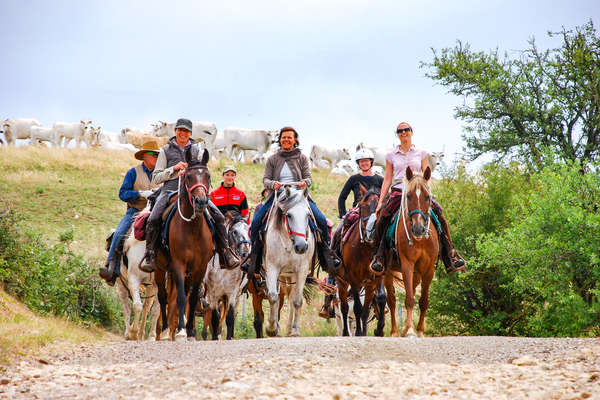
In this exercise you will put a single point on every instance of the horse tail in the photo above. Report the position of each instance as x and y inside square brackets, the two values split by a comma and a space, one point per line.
[311, 288]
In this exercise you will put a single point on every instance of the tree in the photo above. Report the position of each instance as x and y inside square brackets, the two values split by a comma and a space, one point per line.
[520, 108]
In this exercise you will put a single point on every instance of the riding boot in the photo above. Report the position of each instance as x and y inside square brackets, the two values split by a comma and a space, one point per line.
[450, 257]
[377, 264]
[328, 311]
[328, 260]
[107, 272]
[148, 263]
[255, 262]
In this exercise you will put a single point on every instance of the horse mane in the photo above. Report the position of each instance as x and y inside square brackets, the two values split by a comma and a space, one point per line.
[235, 216]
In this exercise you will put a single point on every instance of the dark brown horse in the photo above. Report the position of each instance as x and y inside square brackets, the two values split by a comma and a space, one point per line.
[191, 246]
[355, 273]
[416, 243]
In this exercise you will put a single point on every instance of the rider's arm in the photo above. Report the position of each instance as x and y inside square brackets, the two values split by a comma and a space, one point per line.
[425, 162]
[161, 173]
[344, 195]
[305, 169]
[268, 178]
[126, 192]
[387, 182]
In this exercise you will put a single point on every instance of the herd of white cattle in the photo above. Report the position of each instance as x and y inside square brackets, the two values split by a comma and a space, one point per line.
[238, 144]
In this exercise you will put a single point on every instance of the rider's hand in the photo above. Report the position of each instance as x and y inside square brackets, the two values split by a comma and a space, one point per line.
[379, 205]
[276, 185]
[180, 166]
[180, 173]
[302, 185]
[145, 193]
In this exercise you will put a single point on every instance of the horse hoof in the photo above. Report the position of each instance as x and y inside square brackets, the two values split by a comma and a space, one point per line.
[271, 332]
[152, 339]
[295, 333]
[191, 339]
[409, 333]
[420, 334]
[181, 336]
[165, 335]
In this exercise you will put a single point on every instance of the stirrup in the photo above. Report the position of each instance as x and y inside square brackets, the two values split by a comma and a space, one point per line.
[148, 263]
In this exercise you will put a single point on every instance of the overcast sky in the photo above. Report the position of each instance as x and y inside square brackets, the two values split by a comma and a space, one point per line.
[341, 72]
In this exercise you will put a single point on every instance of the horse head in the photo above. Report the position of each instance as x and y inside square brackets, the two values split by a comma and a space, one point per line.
[418, 202]
[295, 210]
[237, 230]
[195, 181]
[367, 204]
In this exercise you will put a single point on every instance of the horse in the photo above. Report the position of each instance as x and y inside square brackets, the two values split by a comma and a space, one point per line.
[289, 251]
[223, 286]
[417, 246]
[355, 274]
[190, 247]
[258, 295]
[128, 286]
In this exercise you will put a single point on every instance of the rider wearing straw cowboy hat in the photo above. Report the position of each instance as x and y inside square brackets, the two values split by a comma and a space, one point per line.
[169, 166]
[136, 188]
[407, 155]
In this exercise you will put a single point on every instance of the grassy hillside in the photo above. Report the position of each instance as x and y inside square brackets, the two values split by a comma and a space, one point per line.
[70, 191]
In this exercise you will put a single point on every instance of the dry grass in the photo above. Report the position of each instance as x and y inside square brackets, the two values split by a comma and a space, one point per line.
[22, 333]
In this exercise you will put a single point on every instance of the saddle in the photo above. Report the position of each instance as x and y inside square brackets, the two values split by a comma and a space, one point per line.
[168, 216]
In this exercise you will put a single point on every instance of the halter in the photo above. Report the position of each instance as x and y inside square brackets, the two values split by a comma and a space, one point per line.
[404, 210]
[290, 231]
[189, 193]
[287, 225]
[361, 220]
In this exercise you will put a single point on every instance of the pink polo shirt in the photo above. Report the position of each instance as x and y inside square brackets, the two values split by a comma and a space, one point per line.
[400, 160]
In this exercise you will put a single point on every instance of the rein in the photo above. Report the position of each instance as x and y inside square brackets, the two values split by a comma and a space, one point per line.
[189, 193]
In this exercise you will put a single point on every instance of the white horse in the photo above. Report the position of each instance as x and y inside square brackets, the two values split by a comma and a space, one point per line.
[222, 287]
[130, 282]
[289, 251]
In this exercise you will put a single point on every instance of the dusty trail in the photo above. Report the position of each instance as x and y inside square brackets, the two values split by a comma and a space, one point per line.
[316, 368]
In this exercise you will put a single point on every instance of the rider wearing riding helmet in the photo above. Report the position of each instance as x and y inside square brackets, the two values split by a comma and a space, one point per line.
[228, 197]
[366, 178]
[407, 155]
[286, 166]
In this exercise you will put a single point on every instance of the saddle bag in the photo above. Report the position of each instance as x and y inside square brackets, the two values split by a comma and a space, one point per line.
[139, 226]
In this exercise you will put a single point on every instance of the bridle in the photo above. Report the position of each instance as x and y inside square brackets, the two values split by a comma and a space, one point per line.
[404, 211]
[362, 220]
[291, 233]
[189, 193]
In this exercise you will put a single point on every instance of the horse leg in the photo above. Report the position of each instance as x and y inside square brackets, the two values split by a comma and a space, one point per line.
[214, 323]
[380, 299]
[366, 308]
[273, 323]
[206, 317]
[179, 281]
[424, 303]
[124, 296]
[390, 294]
[155, 312]
[147, 305]
[409, 301]
[134, 289]
[230, 322]
[296, 297]
[258, 311]
[343, 295]
[357, 312]
[160, 277]
[190, 326]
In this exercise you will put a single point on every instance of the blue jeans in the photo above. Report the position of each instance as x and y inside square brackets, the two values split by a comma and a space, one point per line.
[256, 221]
[121, 230]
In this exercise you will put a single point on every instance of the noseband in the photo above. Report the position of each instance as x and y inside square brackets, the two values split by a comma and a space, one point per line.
[189, 193]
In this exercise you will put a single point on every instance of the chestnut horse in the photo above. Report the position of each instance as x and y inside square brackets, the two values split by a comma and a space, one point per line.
[416, 243]
[191, 246]
[355, 273]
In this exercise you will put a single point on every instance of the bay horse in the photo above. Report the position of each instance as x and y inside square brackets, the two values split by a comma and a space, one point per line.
[190, 247]
[355, 274]
[224, 286]
[417, 246]
[289, 251]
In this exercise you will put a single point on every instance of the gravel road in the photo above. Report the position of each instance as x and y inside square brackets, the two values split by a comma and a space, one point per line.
[315, 368]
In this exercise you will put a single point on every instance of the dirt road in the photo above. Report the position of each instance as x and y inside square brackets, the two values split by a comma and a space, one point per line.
[316, 368]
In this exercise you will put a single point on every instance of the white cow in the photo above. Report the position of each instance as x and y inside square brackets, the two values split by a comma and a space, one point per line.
[41, 134]
[322, 164]
[201, 131]
[435, 159]
[237, 139]
[18, 128]
[339, 171]
[350, 166]
[111, 140]
[262, 158]
[318, 153]
[78, 131]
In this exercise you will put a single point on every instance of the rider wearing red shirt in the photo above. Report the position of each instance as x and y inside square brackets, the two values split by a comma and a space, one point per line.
[228, 197]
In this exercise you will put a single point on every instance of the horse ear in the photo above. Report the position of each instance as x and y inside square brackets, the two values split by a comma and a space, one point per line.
[287, 191]
[409, 173]
[427, 173]
[205, 157]
[363, 190]
[188, 154]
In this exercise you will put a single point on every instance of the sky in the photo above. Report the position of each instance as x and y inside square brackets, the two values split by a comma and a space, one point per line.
[340, 72]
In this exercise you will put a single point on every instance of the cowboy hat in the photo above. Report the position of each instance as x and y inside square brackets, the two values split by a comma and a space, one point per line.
[149, 146]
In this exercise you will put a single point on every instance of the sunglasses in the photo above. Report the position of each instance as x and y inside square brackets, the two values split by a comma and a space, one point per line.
[151, 153]
[404, 130]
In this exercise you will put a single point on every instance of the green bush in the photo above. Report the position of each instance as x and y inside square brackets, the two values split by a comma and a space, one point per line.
[52, 279]
[539, 274]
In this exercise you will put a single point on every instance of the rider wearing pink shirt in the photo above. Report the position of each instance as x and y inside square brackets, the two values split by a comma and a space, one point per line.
[407, 155]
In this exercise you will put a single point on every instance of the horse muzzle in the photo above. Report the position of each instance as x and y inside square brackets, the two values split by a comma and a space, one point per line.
[200, 203]
[300, 246]
[420, 232]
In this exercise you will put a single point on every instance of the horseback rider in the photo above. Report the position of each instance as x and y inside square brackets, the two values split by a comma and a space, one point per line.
[228, 197]
[286, 166]
[367, 178]
[134, 191]
[407, 155]
[169, 166]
